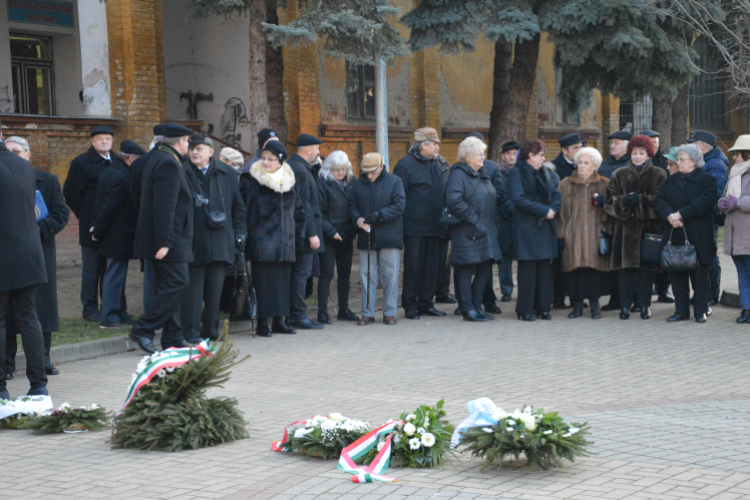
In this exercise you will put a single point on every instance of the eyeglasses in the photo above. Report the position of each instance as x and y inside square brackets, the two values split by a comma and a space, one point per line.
[17, 152]
[481, 155]
[269, 159]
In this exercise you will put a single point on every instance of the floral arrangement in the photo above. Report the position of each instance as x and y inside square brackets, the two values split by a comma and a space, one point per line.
[421, 441]
[544, 438]
[13, 413]
[323, 437]
[67, 419]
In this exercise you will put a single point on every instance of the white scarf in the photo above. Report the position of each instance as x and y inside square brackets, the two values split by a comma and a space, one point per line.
[277, 176]
[734, 185]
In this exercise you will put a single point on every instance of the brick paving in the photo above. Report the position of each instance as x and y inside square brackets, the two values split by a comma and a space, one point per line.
[669, 406]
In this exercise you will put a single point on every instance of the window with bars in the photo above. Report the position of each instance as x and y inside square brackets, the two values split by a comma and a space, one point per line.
[360, 92]
[636, 116]
[708, 99]
[564, 115]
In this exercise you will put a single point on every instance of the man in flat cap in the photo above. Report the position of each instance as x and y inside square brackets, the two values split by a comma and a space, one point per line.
[425, 198]
[79, 191]
[658, 159]
[216, 241]
[618, 154]
[564, 164]
[716, 165]
[509, 155]
[308, 151]
[164, 235]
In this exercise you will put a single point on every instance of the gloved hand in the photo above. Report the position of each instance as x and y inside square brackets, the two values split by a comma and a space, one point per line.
[728, 203]
[373, 218]
[241, 241]
[479, 232]
[632, 199]
[598, 200]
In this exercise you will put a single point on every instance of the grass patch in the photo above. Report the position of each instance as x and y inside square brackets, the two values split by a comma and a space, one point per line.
[75, 330]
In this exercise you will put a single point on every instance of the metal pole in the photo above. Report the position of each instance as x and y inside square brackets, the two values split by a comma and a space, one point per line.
[381, 110]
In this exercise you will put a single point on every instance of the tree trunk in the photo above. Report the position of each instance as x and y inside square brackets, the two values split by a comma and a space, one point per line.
[512, 120]
[258, 105]
[662, 122]
[500, 82]
[680, 112]
[275, 80]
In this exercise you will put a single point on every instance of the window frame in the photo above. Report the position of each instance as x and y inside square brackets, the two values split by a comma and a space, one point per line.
[19, 66]
[363, 84]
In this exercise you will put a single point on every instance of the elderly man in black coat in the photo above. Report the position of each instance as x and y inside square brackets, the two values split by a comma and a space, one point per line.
[422, 178]
[79, 191]
[308, 151]
[216, 241]
[114, 230]
[164, 235]
[22, 266]
[53, 222]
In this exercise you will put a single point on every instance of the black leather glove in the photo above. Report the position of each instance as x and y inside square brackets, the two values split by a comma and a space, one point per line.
[598, 200]
[241, 240]
[479, 232]
[632, 199]
[373, 218]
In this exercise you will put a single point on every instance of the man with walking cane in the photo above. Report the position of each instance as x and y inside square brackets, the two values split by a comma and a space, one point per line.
[377, 203]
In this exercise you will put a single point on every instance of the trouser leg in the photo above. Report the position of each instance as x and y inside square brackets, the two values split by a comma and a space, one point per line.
[191, 304]
[429, 272]
[444, 270]
[626, 286]
[614, 288]
[344, 255]
[465, 274]
[171, 280]
[413, 265]
[22, 304]
[700, 277]
[389, 260]
[301, 271]
[527, 279]
[482, 274]
[11, 347]
[505, 273]
[681, 291]
[212, 287]
[662, 283]
[47, 337]
[544, 279]
[369, 287]
[327, 265]
[90, 267]
[558, 281]
[742, 263]
[148, 284]
[714, 271]
[488, 294]
[113, 291]
[645, 287]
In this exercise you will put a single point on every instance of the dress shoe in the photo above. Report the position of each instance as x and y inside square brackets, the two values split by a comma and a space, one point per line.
[701, 318]
[431, 311]
[635, 308]
[474, 316]
[306, 324]
[324, 318]
[38, 391]
[485, 315]
[645, 313]
[713, 302]
[412, 315]
[560, 304]
[624, 313]
[611, 307]
[744, 317]
[709, 312]
[505, 298]
[116, 324]
[526, 317]
[180, 344]
[445, 300]
[544, 315]
[347, 315]
[493, 309]
[365, 321]
[666, 298]
[93, 318]
[8, 376]
[4, 395]
[262, 329]
[389, 320]
[596, 310]
[678, 317]
[279, 326]
[146, 344]
[51, 370]
[654, 291]
[457, 312]
[577, 310]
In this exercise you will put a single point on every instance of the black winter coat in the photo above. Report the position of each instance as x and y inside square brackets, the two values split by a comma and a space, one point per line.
[308, 193]
[21, 255]
[386, 197]
[136, 174]
[334, 207]
[472, 198]
[505, 222]
[116, 216]
[694, 196]
[275, 215]
[660, 161]
[533, 193]
[608, 166]
[221, 187]
[165, 217]
[563, 167]
[422, 178]
[80, 190]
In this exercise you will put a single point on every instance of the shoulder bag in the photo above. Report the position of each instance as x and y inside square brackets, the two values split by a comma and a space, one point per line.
[605, 244]
[679, 258]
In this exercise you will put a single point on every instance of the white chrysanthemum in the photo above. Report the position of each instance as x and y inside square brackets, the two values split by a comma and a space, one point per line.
[337, 417]
[487, 430]
[421, 431]
[411, 417]
[328, 425]
[380, 445]
[414, 443]
[509, 429]
[566, 435]
[302, 432]
[547, 433]
[318, 419]
[573, 430]
[426, 422]
[528, 421]
[428, 440]
[409, 429]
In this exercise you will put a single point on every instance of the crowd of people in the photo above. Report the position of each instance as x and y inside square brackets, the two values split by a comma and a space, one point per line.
[580, 227]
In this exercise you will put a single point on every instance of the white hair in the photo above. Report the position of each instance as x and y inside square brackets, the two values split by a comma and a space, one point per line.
[20, 141]
[338, 160]
[592, 153]
[469, 147]
[693, 152]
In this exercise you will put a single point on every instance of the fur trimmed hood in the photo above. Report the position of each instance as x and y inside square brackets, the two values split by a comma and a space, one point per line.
[264, 179]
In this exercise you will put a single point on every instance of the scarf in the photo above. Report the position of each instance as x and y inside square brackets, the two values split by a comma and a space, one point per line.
[734, 185]
[277, 176]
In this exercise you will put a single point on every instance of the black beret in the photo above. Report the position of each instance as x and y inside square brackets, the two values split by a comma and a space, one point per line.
[131, 148]
[264, 135]
[172, 129]
[159, 129]
[701, 135]
[278, 149]
[507, 146]
[569, 140]
[651, 133]
[200, 138]
[101, 129]
[478, 135]
[623, 135]
[307, 140]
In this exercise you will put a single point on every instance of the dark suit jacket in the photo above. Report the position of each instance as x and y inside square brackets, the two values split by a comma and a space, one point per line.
[80, 190]
[308, 192]
[116, 216]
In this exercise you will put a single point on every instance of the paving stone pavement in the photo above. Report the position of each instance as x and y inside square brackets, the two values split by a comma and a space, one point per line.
[658, 398]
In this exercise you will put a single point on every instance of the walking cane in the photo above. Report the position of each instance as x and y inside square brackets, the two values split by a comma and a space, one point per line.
[368, 267]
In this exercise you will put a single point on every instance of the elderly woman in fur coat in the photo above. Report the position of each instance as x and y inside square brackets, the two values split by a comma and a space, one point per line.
[580, 223]
[275, 218]
[630, 201]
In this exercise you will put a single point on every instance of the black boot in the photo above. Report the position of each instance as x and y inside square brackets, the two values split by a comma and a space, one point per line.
[279, 326]
[596, 310]
[624, 313]
[577, 309]
[262, 329]
[745, 317]
[324, 318]
[474, 316]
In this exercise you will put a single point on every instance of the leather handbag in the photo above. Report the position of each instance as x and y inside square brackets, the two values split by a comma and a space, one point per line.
[605, 244]
[216, 219]
[651, 247]
[679, 258]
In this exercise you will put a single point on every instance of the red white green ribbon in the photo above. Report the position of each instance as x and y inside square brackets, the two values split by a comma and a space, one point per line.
[359, 448]
[170, 358]
[277, 445]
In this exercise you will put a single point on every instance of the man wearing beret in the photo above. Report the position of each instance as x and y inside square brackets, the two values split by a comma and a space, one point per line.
[164, 235]
[618, 150]
[114, 230]
[308, 151]
[425, 198]
[509, 154]
[79, 191]
[565, 161]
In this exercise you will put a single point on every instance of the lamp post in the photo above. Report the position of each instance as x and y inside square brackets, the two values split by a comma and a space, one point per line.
[381, 111]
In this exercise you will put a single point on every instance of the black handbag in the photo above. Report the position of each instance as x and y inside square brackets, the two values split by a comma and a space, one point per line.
[216, 219]
[605, 244]
[448, 219]
[651, 247]
[679, 258]
[243, 305]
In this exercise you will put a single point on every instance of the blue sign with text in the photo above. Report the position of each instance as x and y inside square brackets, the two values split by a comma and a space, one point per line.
[41, 12]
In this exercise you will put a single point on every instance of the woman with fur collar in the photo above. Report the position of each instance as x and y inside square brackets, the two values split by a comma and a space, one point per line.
[275, 219]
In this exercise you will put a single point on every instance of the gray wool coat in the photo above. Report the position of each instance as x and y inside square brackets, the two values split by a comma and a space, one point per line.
[737, 223]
